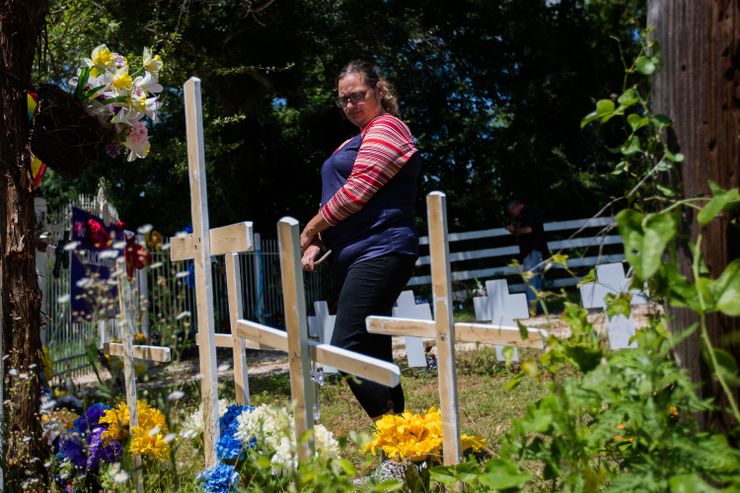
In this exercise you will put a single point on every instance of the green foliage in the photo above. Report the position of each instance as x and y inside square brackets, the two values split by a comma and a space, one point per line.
[490, 104]
[622, 422]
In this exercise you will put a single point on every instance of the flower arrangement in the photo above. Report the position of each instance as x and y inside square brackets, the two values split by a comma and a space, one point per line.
[108, 90]
[416, 437]
[149, 438]
[79, 448]
[248, 434]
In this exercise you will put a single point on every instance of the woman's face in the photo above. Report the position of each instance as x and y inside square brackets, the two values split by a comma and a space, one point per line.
[359, 102]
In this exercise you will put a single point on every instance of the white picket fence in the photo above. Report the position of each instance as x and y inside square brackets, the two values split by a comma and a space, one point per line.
[485, 254]
[166, 294]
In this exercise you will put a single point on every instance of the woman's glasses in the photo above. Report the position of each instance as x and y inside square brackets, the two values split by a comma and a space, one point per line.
[354, 98]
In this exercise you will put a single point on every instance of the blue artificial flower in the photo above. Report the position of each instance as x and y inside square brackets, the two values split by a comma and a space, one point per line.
[90, 418]
[229, 447]
[232, 412]
[221, 478]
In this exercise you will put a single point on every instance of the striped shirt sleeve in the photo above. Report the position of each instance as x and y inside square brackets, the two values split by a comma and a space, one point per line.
[387, 145]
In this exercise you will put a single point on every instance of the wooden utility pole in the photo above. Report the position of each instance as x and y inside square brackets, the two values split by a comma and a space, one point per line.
[698, 87]
[23, 450]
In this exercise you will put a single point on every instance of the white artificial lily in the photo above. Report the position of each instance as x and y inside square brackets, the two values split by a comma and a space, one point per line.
[146, 83]
[102, 59]
[121, 83]
[152, 64]
[137, 141]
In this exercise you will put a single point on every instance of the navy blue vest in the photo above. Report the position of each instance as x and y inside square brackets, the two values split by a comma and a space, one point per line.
[386, 224]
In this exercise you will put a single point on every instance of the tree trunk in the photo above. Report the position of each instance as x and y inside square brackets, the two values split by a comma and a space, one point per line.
[698, 87]
[24, 451]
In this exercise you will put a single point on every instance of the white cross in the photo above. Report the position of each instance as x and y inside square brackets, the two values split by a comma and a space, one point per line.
[321, 327]
[406, 307]
[501, 308]
[611, 280]
[129, 352]
[301, 350]
[446, 331]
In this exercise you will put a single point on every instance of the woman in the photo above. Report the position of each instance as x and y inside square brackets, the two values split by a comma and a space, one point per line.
[367, 220]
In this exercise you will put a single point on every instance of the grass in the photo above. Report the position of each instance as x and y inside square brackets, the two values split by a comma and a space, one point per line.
[485, 407]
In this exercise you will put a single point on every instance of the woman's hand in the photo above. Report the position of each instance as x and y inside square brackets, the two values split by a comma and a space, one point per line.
[310, 233]
[310, 254]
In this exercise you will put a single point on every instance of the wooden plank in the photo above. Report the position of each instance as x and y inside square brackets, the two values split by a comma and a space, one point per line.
[236, 310]
[202, 262]
[125, 302]
[363, 366]
[585, 242]
[294, 303]
[465, 275]
[574, 224]
[441, 289]
[150, 353]
[235, 238]
[476, 254]
[373, 369]
[464, 331]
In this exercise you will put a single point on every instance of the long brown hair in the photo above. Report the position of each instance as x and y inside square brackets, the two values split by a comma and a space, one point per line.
[374, 79]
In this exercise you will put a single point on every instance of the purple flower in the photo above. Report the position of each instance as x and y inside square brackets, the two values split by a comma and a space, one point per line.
[99, 451]
[72, 448]
[90, 418]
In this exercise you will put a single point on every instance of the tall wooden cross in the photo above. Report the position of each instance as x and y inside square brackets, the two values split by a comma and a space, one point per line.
[446, 331]
[129, 352]
[199, 246]
[301, 350]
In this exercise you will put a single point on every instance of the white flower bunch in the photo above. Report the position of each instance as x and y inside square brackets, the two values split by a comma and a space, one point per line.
[119, 98]
[272, 429]
[192, 427]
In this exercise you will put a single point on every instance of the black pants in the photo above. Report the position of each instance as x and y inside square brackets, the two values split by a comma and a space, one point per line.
[371, 287]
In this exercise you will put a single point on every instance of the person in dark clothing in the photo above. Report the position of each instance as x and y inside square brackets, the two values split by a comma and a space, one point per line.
[530, 234]
[367, 221]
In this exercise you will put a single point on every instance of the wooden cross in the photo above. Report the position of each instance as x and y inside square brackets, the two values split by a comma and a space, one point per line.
[228, 241]
[447, 332]
[301, 351]
[501, 308]
[321, 326]
[199, 246]
[129, 352]
[611, 280]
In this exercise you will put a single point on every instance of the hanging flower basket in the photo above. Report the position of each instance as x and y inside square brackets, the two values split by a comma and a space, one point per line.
[64, 135]
[105, 110]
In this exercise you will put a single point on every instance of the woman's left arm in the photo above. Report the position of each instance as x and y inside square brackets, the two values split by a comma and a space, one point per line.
[386, 146]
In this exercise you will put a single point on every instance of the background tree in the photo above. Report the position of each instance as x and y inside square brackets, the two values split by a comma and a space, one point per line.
[698, 88]
[24, 451]
[491, 104]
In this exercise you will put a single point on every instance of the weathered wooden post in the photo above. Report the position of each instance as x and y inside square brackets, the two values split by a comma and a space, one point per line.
[446, 332]
[202, 262]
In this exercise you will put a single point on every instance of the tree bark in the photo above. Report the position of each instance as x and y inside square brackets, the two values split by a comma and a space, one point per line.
[24, 451]
[698, 87]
